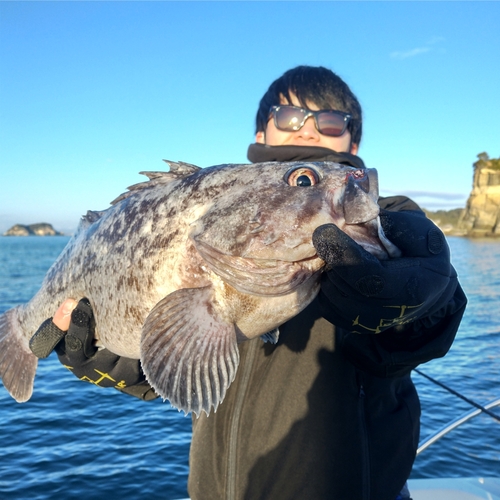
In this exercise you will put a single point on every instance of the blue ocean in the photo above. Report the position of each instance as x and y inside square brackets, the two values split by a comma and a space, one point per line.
[73, 440]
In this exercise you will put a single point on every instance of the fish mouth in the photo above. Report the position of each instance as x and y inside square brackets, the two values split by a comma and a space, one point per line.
[264, 277]
[360, 196]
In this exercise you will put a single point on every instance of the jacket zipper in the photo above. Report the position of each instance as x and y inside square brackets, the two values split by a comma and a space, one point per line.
[246, 371]
[364, 443]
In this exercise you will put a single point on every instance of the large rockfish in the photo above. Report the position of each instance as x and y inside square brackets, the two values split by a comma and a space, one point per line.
[184, 266]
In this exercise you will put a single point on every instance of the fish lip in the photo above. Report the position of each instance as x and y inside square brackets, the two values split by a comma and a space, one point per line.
[202, 246]
[360, 196]
[262, 277]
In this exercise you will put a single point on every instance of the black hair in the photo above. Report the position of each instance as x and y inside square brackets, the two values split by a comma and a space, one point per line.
[312, 84]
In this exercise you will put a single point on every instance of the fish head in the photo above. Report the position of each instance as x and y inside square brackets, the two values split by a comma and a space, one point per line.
[268, 212]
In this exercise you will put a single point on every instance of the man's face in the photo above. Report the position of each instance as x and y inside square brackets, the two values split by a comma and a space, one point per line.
[308, 135]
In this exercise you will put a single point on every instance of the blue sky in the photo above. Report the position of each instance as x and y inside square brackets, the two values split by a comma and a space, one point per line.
[91, 93]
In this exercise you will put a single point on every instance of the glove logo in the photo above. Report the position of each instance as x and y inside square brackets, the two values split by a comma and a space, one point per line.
[103, 376]
[385, 323]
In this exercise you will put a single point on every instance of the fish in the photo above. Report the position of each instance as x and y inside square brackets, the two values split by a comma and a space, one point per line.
[185, 265]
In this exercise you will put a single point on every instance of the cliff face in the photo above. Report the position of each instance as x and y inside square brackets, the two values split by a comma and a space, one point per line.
[41, 229]
[481, 216]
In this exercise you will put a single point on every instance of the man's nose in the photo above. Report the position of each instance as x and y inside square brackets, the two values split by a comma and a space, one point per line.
[309, 130]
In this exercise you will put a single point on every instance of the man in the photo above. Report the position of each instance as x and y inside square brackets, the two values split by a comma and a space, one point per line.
[330, 411]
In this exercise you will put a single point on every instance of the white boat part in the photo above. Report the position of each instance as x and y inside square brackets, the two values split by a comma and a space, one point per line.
[463, 488]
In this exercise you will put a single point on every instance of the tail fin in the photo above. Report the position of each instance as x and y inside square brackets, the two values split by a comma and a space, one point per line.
[17, 363]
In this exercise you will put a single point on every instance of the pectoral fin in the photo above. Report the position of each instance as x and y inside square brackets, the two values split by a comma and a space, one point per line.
[188, 353]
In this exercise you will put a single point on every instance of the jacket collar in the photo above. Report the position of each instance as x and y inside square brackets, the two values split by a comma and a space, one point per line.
[261, 153]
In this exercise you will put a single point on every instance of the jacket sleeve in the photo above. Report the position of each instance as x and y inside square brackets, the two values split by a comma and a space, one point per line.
[396, 351]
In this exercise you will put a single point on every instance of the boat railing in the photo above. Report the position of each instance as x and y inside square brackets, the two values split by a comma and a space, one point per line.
[454, 424]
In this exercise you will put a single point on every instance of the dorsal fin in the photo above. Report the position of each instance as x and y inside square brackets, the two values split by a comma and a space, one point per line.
[178, 170]
[92, 215]
[89, 218]
[181, 169]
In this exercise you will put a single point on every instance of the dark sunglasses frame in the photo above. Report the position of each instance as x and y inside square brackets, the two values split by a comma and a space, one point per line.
[307, 113]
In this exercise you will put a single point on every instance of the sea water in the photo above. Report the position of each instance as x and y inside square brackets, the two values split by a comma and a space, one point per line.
[75, 440]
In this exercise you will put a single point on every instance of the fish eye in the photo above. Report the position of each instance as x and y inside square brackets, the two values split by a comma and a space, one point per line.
[302, 177]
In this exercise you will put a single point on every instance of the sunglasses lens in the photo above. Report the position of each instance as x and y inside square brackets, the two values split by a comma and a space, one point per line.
[289, 118]
[331, 123]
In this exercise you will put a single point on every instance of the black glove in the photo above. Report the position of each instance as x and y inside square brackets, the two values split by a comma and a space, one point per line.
[364, 295]
[77, 352]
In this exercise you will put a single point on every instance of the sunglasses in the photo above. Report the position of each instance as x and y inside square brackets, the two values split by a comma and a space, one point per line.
[292, 118]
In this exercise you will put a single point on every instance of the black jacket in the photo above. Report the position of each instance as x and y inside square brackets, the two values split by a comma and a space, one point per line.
[324, 413]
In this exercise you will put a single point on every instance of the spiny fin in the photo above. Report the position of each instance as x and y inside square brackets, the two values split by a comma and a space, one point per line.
[87, 220]
[17, 363]
[189, 355]
[93, 215]
[181, 169]
[272, 336]
[178, 170]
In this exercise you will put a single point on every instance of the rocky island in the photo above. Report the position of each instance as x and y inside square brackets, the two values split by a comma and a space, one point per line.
[481, 216]
[40, 229]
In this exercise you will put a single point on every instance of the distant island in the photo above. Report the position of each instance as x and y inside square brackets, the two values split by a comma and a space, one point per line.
[40, 229]
[448, 221]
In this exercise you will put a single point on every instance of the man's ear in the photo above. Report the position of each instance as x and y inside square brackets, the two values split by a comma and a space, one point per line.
[354, 148]
[260, 137]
